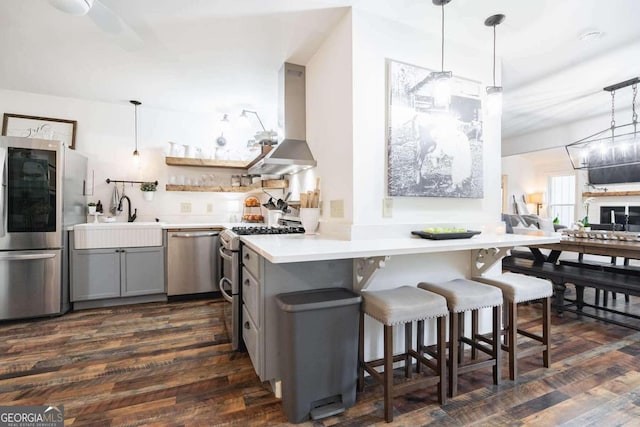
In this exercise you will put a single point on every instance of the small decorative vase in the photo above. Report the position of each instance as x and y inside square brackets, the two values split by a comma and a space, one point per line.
[148, 195]
[92, 210]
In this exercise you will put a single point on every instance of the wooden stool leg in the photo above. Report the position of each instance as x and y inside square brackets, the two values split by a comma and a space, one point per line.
[474, 334]
[512, 311]
[597, 302]
[605, 298]
[460, 334]
[441, 344]
[420, 343]
[546, 331]
[454, 319]
[497, 349]
[408, 333]
[361, 354]
[388, 373]
[626, 297]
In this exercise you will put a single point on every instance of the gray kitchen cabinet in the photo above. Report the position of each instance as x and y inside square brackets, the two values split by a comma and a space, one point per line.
[116, 272]
[261, 282]
[141, 271]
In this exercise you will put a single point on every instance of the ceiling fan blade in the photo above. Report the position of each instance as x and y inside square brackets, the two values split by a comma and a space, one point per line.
[105, 19]
[109, 22]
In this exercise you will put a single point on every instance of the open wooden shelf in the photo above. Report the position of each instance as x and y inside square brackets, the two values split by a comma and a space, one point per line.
[269, 183]
[214, 163]
[611, 194]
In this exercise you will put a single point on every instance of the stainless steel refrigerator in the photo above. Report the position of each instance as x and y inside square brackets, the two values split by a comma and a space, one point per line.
[42, 193]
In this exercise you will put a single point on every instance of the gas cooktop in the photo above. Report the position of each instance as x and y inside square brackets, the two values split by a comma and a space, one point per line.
[244, 231]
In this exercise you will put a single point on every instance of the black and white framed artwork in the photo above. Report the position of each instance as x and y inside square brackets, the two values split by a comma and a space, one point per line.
[432, 151]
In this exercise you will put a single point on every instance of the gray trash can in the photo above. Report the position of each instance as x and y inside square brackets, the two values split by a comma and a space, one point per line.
[319, 352]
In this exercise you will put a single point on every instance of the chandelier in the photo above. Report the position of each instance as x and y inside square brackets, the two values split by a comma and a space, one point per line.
[615, 146]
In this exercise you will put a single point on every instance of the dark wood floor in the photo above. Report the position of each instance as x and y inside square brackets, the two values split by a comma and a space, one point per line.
[171, 364]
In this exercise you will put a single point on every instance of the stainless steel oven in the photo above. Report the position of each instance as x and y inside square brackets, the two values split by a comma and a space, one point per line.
[230, 285]
[231, 270]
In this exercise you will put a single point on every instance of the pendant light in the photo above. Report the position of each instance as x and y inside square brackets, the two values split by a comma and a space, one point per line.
[494, 93]
[441, 79]
[135, 103]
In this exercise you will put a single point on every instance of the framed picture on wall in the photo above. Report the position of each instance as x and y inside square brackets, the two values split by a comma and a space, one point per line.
[40, 127]
[432, 151]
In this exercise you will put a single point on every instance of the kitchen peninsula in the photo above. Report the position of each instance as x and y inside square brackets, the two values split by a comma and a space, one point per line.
[289, 263]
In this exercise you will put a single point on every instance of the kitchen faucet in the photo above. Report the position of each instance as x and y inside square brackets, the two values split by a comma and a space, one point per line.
[130, 218]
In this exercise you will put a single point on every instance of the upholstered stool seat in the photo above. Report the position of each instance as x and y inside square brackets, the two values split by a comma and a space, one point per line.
[404, 305]
[517, 288]
[467, 295]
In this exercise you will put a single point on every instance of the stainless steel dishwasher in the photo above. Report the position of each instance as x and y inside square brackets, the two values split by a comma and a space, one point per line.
[192, 261]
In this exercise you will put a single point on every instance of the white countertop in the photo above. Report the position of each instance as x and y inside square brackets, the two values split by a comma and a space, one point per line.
[299, 248]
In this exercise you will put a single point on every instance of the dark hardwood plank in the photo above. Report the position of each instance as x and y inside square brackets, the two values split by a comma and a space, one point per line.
[172, 365]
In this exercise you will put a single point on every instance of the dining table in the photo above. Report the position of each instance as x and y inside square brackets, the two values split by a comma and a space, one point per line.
[604, 245]
[621, 278]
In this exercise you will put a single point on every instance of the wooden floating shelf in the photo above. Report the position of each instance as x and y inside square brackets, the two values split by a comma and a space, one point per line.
[611, 194]
[212, 163]
[270, 183]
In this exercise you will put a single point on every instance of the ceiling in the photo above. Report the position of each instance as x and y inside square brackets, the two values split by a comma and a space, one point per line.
[223, 55]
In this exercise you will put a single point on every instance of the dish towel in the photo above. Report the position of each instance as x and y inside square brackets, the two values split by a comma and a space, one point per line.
[115, 199]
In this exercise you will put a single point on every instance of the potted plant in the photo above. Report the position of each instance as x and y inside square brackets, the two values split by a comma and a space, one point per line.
[148, 188]
[585, 221]
[92, 208]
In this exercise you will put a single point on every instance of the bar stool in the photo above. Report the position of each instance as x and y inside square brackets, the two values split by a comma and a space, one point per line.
[517, 288]
[403, 305]
[466, 295]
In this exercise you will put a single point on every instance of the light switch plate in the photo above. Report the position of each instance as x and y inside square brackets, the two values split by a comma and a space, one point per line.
[185, 207]
[387, 207]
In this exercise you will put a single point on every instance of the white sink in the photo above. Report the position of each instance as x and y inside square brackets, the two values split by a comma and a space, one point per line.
[117, 235]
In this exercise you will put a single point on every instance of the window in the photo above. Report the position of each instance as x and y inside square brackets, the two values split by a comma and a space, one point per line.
[562, 198]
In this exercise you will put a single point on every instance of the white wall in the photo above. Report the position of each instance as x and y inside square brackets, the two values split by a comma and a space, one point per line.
[330, 123]
[375, 40]
[523, 179]
[105, 134]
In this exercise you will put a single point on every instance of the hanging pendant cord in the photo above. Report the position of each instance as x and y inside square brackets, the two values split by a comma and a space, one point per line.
[442, 34]
[613, 109]
[136, 125]
[634, 114]
[613, 112]
[494, 55]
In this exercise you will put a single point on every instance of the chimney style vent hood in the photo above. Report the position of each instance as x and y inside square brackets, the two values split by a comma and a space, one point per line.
[291, 154]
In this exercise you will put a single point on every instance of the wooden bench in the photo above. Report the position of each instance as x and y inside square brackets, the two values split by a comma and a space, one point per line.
[609, 280]
[601, 266]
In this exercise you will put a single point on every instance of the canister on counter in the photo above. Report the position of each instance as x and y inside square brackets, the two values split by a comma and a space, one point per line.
[245, 180]
[235, 180]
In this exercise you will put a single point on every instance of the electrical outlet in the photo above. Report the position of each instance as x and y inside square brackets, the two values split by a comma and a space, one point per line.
[209, 207]
[185, 207]
[336, 208]
[387, 207]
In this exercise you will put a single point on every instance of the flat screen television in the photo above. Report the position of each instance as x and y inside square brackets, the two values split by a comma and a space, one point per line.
[615, 175]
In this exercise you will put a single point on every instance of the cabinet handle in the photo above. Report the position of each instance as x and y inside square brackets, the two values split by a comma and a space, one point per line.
[247, 282]
[247, 325]
[246, 256]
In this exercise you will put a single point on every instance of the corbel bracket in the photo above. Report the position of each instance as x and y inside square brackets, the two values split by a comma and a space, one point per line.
[365, 269]
[484, 259]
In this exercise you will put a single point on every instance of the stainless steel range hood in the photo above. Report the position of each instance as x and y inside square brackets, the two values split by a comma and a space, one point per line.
[291, 154]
